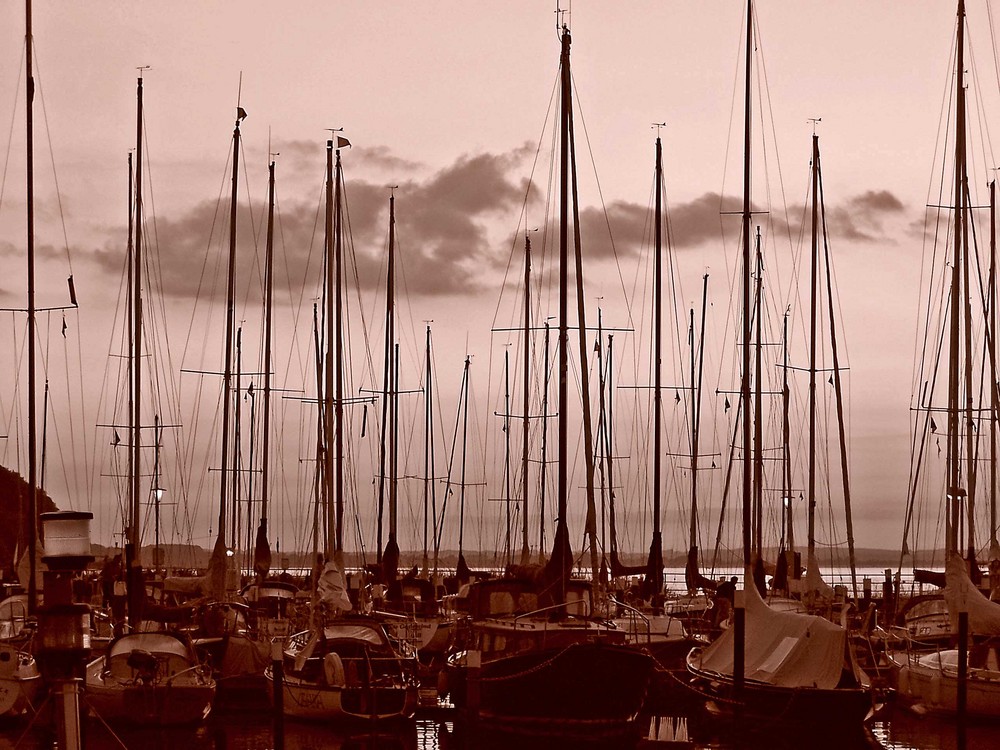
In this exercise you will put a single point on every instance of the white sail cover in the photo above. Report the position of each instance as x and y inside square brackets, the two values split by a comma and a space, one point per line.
[785, 649]
[332, 588]
[961, 593]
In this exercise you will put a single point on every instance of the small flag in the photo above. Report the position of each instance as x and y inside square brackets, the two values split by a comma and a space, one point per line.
[250, 390]
[597, 345]
[117, 438]
[727, 404]
[677, 397]
[830, 381]
[72, 291]
[64, 326]
[713, 464]
[241, 114]
[364, 419]
[933, 425]
[343, 142]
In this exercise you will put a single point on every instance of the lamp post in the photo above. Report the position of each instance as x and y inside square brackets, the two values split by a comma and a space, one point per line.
[63, 624]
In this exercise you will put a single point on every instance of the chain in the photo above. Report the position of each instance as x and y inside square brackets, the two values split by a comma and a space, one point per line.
[530, 670]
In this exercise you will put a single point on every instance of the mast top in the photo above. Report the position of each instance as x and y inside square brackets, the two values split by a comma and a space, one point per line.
[814, 121]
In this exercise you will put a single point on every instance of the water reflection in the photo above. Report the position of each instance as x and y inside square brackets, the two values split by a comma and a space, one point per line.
[898, 730]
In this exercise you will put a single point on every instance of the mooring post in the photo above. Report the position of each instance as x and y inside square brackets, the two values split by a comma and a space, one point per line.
[963, 674]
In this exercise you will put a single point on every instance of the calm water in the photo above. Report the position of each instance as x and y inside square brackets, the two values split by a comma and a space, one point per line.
[899, 731]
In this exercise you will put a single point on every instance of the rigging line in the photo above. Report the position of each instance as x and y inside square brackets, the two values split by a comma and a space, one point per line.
[204, 267]
[52, 158]
[522, 217]
[604, 207]
[13, 120]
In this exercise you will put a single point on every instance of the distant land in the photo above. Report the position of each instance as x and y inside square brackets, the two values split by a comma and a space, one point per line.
[190, 556]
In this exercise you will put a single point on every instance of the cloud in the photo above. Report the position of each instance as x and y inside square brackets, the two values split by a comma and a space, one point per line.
[442, 229]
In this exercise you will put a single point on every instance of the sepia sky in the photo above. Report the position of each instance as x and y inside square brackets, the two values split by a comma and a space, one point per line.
[448, 101]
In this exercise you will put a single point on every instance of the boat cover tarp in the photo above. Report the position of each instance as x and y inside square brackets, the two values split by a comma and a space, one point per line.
[782, 648]
[154, 643]
[960, 591]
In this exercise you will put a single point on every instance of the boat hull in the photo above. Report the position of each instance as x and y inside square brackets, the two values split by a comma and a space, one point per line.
[775, 708]
[929, 689]
[305, 699]
[20, 681]
[583, 689]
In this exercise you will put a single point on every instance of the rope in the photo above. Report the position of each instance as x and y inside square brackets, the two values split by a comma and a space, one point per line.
[526, 672]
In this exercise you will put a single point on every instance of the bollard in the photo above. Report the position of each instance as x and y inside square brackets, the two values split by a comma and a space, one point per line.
[278, 690]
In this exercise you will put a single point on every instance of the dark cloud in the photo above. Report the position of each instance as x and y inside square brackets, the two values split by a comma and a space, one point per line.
[441, 228]
[860, 218]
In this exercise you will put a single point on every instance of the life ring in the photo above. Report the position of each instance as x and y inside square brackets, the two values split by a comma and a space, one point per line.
[333, 670]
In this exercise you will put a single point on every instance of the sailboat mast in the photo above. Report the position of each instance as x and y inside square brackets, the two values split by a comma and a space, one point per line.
[954, 473]
[465, 438]
[30, 193]
[656, 546]
[338, 387]
[747, 407]
[838, 391]
[758, 426]
[227, 375]
[787, 531]
[508, 549]
[696, 413]
[526, 400]
[262, 552]
[994, 545]
[331, 336]
[136, 446]
[813, 305]
[429, 505]
[562, 485]
[543, 469]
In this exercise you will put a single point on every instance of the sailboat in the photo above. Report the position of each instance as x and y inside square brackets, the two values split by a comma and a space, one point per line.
[931, 680]
[145, 677]
[649, 627]
[537, 660]
[344, 667]
[20, 679]
[775, 668]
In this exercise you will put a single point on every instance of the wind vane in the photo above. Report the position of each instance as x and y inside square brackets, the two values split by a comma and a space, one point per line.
[815, 121]
[658, 125]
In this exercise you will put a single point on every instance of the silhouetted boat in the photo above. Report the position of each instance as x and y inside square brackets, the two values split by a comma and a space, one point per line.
[535, 658]
[150, 679]
[347, 670]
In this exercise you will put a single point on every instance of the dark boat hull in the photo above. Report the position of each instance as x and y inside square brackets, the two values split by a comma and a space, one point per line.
[580, 689]
[771, 708]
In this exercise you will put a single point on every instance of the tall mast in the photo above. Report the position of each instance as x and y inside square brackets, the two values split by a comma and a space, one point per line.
[508, 548]
[465, 437]
[543, 468]
[813, 305]
[994, 544]
[237, 468]
[955, 491]
[429, 505]
[838, 395]
[134, 539]
[561, 552]
[338, 386]
[29, 83]
[758, 426]
[527, 400]
[788, 532]
[227, 375]
[262, 550]
[655, 565]
[747, 407]
[389, 393]
[696, 382]
[331, 336]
